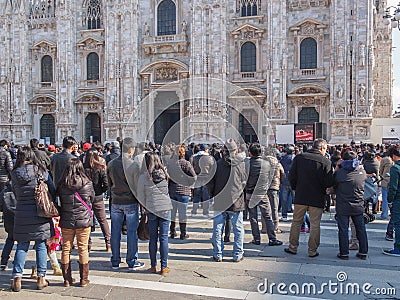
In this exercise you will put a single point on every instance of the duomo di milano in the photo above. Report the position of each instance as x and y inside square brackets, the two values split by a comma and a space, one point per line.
[85, 67]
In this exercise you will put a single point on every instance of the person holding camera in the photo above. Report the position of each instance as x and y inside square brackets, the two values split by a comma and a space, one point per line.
[349, 179]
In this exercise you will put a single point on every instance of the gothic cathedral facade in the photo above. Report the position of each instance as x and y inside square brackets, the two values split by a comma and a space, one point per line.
[98, 69]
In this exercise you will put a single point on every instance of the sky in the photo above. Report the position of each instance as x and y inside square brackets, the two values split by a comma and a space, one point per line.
[396, 62]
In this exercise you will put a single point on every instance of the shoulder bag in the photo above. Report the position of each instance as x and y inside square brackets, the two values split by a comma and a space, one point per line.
[44, 204]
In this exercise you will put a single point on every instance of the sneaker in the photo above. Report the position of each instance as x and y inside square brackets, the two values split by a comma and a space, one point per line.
[389, 237]
[255, 242]
[137, 266]
[217, 259]
[238, 259]
[287, 250]
[3, 267]
[115, 267]
[206, 216]
[392, 252]
[364, 256]
[303, 230]
[341, 256]
[275, 243]
[283, 219]
[193, 215]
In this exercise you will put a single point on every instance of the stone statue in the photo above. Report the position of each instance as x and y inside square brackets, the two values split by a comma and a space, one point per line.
[216, 62]
[340, 56]
[16, 103]
[111, 69]
[128, 99]
[371, 55]
[62, 72]
[362, 55]
[361, 91]
[146, 29]
[184, 27]
[16, 74]
[340, 92]
[127, 69]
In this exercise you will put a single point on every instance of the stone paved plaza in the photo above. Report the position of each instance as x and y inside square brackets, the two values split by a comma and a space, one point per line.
[195, 276]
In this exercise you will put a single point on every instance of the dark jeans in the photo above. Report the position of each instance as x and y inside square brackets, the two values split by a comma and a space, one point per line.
[99, 210]
[158, 229]
[286, 200]
[395, 219]
[202, 195]
[5, 254]
[343, 226]
[265, 209]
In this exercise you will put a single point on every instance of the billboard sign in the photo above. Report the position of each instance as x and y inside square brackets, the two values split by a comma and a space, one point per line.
[304, 132]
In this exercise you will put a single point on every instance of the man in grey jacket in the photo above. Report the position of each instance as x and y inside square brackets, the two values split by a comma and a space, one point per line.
[260, 177]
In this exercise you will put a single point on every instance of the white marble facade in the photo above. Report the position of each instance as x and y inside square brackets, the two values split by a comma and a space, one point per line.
[350, 84]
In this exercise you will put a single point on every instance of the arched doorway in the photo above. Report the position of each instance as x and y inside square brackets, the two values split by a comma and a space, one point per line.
[48, 128]
[308, 115]
[248, 123]
[167, 113]
[93, 128]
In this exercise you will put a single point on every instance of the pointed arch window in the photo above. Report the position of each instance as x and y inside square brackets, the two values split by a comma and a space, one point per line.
[93, 66]
[248, 57]
[94, 14]
[166, 18]
[47, 68]
[308, 54]
[249, 7]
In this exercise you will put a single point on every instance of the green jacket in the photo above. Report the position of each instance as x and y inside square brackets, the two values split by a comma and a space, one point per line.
[394, 183]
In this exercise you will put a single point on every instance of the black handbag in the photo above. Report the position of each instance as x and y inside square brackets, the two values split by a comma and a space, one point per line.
[143, 228]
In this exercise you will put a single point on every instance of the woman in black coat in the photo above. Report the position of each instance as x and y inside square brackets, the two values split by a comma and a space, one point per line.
[96, 171]
[76, 194]
[28, 226]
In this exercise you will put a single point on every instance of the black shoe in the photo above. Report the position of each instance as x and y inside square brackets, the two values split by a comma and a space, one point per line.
[184, 236]
[345, 257]
[173, 235]
[287, 250]
[227, 240]
[361, 256]
[275, 243]
[255, 242]
[314, 255]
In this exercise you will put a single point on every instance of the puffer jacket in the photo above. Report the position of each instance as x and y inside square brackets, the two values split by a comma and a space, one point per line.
[6, 165]
[153, 192]
[278, 175]
[99, 180]
[28, 226]
[260, 175]
[73, 214]
[227, 185]
[384, 169]
[349, 188]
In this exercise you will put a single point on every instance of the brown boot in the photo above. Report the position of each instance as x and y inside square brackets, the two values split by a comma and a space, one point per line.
[34, 273]
[41, 283]
[67, 274]
[84, 273]
[16, 284]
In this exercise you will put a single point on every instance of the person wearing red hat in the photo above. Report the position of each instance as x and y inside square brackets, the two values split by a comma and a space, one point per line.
[86, 146]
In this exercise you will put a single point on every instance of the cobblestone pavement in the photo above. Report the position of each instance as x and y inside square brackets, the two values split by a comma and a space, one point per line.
[195, 276]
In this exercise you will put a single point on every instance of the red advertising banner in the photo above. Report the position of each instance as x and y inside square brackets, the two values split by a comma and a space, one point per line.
[304, 132]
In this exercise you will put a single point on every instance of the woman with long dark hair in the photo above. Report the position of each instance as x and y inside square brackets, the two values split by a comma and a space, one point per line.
[153, 195]
[76, 193]
[28, 226]
[96, 172]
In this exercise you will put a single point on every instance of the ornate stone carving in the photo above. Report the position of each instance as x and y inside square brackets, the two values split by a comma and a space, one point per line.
[340, 57]
[362, 55]
[361, 92]
[166, 74]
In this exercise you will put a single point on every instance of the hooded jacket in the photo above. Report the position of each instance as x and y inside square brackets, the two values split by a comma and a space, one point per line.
[153, 192]
[349, 188]
[73, 214]
[227, 184]
[28, 226]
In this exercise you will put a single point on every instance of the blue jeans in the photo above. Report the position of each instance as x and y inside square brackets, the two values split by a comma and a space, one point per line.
[385, 207]
[158, 230]
[130, 211]
[20, 258]
[201, 194]
[238, 232]
[286, 199]
[395, 220]
[5, 254]
[343, 226]
[179, 204]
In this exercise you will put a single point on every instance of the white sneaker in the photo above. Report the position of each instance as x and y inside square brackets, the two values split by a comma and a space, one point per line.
[137, 266]
[283, 219]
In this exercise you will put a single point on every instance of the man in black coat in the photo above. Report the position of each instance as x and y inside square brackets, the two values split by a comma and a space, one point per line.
[60, 160]
[6, 164]
[40, 154]
[311, 174]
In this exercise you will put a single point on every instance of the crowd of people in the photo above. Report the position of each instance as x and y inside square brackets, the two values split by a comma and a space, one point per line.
[229, 183]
